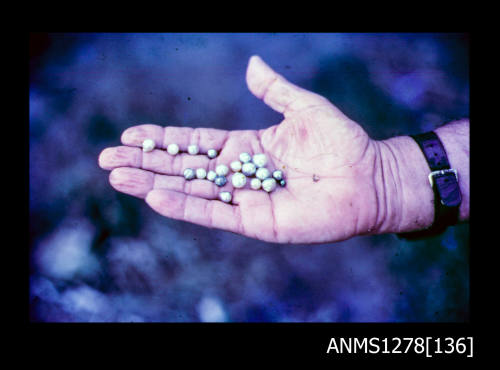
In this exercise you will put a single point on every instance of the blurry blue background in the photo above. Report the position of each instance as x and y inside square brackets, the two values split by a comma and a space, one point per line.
[99, 255]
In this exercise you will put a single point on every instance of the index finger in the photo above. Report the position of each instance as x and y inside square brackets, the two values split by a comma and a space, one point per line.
[205, 138]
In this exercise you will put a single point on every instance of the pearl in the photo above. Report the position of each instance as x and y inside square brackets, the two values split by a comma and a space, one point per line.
[222, 170]
[189, 174]
[278, 175]
[235, 166]
[239, 180]
[212, 153]
[282, 182]
[245, 157]
[201, 173]
[260, 160]
[211, 175]
[148, 145]
[225, 196]
[193, 149]
[248, 169]
[269, 185]
[173, 149]
[255, 184]
[220, 180]
[262, 173]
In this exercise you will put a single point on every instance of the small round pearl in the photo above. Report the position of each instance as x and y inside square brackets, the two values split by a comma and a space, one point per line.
[278, 175]
[201, 173]
[239, 180]
[282, 183]
[248, 169]
[173, 149]
[235, 166]
[189, 174]
[211, 175]
[193, 149]
[222, 170]
[269, 185]
[148, 145]
[225, 196]
[260, 160]
[245, 157]
[262, 173]
[220, 180]
[255, 184]
[212, 153]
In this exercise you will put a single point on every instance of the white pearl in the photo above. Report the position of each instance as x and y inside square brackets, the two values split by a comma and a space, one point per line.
[236, 166]
[260, 160]
[225, 196]
[255, 184]
[245, 157]
[189, 174]
[262, 173]
[248, 169]
[269, 185]
[173, 149]
[278, 175]
[211, 175]
[239, 180]
[201, 173]
[212, 153]
[222, 170]
[193, 149]
[148, 145]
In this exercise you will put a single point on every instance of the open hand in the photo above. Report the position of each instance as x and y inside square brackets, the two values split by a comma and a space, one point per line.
[330, 165]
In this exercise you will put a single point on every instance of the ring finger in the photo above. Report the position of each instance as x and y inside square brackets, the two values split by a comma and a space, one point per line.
[139, 183]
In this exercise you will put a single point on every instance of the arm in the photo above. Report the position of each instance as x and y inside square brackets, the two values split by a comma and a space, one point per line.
[340, 182]
[403, 176]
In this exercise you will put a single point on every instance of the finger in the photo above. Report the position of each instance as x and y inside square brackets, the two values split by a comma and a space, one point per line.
[197, 187]
[209, 213]
[132, 181]
[278, 93]
[139, 183]
[158, 161]
[205, 138]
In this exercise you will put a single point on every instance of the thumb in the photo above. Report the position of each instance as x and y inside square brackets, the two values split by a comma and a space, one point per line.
[278, 93]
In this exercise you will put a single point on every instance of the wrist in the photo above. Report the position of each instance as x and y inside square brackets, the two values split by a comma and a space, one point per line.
[402, 176]
[407, 199]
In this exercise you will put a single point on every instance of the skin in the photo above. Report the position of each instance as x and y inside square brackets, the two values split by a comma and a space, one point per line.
[340, 183]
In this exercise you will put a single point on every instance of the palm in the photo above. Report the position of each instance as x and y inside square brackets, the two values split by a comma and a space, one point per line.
[328, 161]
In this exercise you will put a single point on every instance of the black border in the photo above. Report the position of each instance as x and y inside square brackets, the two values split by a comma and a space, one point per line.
[246, 340]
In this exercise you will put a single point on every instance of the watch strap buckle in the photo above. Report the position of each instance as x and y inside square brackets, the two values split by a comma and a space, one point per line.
[441, 172]
[446, 184]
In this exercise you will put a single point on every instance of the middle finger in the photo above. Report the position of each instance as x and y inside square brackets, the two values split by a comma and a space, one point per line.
[158, 161]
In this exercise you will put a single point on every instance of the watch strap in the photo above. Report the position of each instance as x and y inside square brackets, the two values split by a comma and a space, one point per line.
[444, 183]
